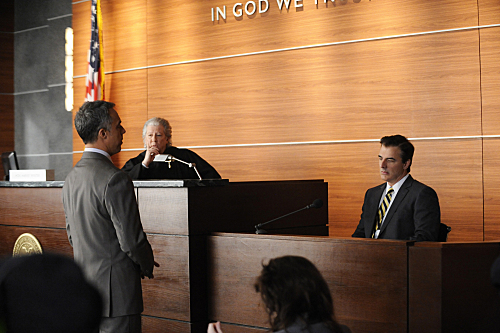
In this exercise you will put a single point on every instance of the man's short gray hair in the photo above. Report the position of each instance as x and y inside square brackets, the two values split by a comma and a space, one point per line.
[91, 117]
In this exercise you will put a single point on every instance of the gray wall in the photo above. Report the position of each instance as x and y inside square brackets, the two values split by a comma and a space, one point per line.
[43, 128]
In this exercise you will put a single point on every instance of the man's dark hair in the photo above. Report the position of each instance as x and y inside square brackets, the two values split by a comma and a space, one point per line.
[47, 293]
[403, 144]
[91, 117]
[293, 289]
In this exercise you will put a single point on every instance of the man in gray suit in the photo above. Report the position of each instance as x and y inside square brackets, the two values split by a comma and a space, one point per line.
[103, 222]
[402, 207]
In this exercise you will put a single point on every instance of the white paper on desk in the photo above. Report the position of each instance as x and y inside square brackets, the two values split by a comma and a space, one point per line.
[162, 158]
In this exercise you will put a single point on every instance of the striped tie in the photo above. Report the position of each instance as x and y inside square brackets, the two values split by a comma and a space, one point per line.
[383, 209]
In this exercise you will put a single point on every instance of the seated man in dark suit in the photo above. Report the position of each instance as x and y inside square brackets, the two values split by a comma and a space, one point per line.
[157, 137]
[401, 208]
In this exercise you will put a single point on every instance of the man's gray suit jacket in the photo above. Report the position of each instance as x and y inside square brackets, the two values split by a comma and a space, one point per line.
[105, 230]
[414, 214]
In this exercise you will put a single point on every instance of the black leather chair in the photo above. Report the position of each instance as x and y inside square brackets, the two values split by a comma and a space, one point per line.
[443, 232]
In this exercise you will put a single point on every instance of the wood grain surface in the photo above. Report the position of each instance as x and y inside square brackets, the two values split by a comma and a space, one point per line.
[129, 92]
[450, 287]
[6, 126]
[424, 82]
[354, 92]
[167, 295]
[190, 25]
[124, 31]
[160, 325]
[347, 265]
[7, 61]
[490, 80]
[39, 207]
[491, 189]
[7, 15]
[489, 12]
[52, 240]
[235, 207]
[453, 168]
[6, 78]
[81, 41]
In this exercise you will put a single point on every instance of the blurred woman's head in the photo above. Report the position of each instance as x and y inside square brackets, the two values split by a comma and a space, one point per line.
[294, 290]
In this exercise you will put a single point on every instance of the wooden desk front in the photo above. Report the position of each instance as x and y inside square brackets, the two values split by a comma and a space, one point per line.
[176, 220]
[377, 285]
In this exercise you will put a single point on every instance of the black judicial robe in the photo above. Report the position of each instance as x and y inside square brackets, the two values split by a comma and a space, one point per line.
[177, 170]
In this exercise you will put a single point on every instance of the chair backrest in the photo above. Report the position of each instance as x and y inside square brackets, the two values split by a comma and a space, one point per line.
[9, 161]
[443, 232]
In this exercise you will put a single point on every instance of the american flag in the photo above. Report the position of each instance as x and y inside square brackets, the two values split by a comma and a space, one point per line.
[95, 73]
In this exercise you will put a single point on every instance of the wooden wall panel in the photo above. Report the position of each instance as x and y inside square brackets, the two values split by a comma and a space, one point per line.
[76, 157]
[489, 12]
[491, 149]
[7, 61]
[452, 168]
[436, 85]
[79, 99]
[124, 31]
[118, 159]
[121, 158]
[490, 80]
[128, 91]
[81, 40]
[353, 92]
[6, 125]
[6, 78]
[191, 34]
[7, 15]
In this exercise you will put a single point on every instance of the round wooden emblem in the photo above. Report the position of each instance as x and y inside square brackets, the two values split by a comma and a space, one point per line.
[26, 244]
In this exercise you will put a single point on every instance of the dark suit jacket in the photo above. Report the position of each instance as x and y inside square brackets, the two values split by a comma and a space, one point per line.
[177, 170]
[105, 230]
[414, 214]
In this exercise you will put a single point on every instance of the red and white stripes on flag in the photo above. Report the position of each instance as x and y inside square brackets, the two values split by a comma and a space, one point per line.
[95, 73]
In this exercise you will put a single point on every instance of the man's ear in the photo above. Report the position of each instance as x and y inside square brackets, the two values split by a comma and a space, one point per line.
[103, 133]
[406, 165]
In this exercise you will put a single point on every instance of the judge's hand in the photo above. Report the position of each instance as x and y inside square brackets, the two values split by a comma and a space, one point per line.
[151, 151]
[214, 328]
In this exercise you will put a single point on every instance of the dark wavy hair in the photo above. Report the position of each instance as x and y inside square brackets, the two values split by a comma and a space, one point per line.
[294, 290]
[406, 147]
[91, 117]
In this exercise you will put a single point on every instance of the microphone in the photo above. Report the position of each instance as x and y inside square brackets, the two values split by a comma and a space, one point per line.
[169, 158]
[318, 203]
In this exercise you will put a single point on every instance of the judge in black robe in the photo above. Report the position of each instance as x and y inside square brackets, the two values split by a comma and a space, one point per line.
[157, 137]
[177, 170]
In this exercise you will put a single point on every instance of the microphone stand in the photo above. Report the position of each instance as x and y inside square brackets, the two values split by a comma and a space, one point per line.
[316, 204]
[169, 158]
